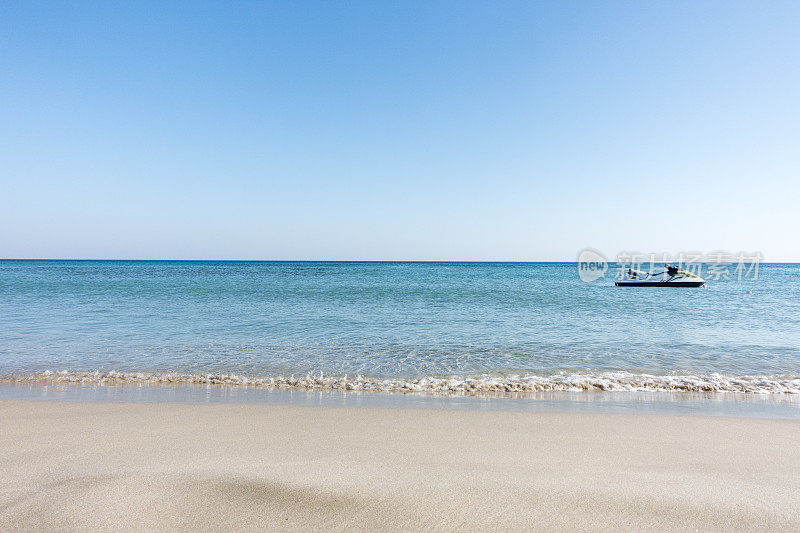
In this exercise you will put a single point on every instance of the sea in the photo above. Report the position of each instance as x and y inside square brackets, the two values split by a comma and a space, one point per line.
[409, 327]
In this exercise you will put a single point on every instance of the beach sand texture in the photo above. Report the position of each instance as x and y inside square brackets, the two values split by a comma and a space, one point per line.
[141, 466]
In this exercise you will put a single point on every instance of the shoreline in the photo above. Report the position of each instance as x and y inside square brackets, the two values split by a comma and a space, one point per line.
[735, 405]
[104, 466]
[587, 381]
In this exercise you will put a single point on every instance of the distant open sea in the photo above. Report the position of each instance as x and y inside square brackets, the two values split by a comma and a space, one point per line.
[458, 327]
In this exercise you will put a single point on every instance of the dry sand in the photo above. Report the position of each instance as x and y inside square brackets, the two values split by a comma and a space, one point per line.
[179, 466]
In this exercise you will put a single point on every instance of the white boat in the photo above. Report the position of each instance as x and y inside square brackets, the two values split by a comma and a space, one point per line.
[671, 277]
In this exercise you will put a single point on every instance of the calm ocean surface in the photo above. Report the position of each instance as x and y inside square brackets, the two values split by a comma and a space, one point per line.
[392, 321]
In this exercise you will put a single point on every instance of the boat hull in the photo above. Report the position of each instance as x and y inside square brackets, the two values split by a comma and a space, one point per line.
[659, 283]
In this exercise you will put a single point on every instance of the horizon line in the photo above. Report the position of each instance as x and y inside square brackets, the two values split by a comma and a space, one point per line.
[338, 260]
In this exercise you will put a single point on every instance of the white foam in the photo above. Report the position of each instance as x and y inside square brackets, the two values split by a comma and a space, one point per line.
[575, 382]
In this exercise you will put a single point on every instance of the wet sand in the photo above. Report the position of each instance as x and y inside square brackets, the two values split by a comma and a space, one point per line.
[221, 466]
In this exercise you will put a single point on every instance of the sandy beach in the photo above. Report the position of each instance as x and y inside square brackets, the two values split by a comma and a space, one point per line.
[164, 466]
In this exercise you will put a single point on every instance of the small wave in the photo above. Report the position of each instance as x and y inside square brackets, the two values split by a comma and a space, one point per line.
[567, 382]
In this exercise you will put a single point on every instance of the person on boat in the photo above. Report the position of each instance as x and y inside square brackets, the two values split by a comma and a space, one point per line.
[671, 270]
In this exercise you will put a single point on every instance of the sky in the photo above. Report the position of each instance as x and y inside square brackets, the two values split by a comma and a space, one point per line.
[337, 130]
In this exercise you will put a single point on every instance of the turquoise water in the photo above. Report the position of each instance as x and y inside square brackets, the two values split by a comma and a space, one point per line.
[402, 321]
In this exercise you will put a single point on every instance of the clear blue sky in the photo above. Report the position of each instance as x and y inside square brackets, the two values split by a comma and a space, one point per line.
[378, 130]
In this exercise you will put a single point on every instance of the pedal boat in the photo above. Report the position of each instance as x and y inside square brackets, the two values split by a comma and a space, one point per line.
[672, 277]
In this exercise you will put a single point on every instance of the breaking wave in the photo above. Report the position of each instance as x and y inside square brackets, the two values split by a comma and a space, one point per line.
[568, 382]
